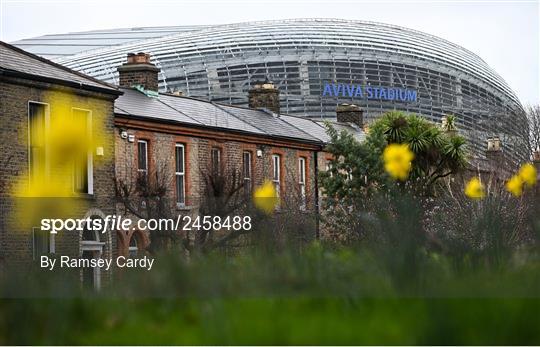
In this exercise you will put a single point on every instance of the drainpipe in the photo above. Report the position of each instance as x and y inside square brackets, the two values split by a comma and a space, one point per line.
[317, 222]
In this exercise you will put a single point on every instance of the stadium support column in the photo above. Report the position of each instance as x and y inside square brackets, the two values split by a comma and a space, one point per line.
[304, 79]
[459, 100]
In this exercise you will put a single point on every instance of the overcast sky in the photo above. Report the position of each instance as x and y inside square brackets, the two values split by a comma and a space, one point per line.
[503, 33]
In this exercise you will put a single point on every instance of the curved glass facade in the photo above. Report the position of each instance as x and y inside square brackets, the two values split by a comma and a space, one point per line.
[304, 57]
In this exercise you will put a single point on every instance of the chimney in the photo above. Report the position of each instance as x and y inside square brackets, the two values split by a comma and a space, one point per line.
[347, 113]
[138, 70]
[493, 145]
[494, 155]
[264, 95]
[536, 157]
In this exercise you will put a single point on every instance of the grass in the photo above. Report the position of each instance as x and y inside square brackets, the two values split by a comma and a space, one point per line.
[276, 321]
[322, 296]
[388, 289]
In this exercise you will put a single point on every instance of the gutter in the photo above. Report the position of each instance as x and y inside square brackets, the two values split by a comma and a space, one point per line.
[127, 117]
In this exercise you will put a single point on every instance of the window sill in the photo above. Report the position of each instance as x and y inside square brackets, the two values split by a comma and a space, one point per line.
[85, 196]
[184, 208]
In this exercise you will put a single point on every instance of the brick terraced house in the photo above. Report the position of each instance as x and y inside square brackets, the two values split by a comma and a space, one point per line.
[35, 94]
[141, 134]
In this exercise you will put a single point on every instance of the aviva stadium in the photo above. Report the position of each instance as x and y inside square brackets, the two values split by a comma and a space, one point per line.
[316, 64]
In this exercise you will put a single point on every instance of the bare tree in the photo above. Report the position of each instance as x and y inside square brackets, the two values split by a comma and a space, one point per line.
[225, 194]
[533, 115]
[145, 196]
[490, 229]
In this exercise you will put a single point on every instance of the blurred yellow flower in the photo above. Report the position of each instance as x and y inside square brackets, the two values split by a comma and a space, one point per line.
[62, 145]
[515, 185]
[475, 189]
[265, 197]
[68, 137]
[397, 160]
[527, 174]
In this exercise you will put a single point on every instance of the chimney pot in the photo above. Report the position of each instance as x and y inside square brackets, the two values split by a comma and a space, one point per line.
[131, 58]
[142, 58]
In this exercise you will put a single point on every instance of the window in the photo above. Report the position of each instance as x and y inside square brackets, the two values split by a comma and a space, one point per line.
[89, 233]
[216, 160]
[329, 166]
[133, 246]
[302, 182]
[180, 175]
[142, 157]
[247, 172]
[82, 173]
[42, 242]
[276, 169]
[36, 141]
[91, 248]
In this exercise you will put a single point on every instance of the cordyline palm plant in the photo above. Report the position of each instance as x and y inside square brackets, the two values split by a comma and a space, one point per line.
[438, 153]
[450, 123]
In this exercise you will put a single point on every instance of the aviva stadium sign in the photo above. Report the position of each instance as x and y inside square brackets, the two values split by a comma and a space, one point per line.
[369, 92]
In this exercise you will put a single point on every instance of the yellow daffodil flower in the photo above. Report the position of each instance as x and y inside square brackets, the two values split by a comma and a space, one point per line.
[64, 142]
[475, 189]
[515, 185]
[265, 197]
[398, 160]
[527, 173]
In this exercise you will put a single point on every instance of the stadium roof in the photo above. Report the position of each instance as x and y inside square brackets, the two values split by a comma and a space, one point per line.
[59, 45]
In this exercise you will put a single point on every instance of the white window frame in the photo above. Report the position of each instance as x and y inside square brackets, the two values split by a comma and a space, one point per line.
[51, 247]
[247, 179]
[302, 181]
[180, 173]
[145, 171]
[90, 157]
[96, 247]
[133, 249]
[46, 122]
[276, 173]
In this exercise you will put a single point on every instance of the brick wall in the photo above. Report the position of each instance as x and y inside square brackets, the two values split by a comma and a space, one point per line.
[139, 74]
[198, 148]
[15, 236]
[264, 98]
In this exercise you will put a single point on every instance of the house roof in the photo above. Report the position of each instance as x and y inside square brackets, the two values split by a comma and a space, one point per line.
[19, 63]
[201, 113]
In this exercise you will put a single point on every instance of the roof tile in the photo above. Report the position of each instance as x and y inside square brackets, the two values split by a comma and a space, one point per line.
[17, 60]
